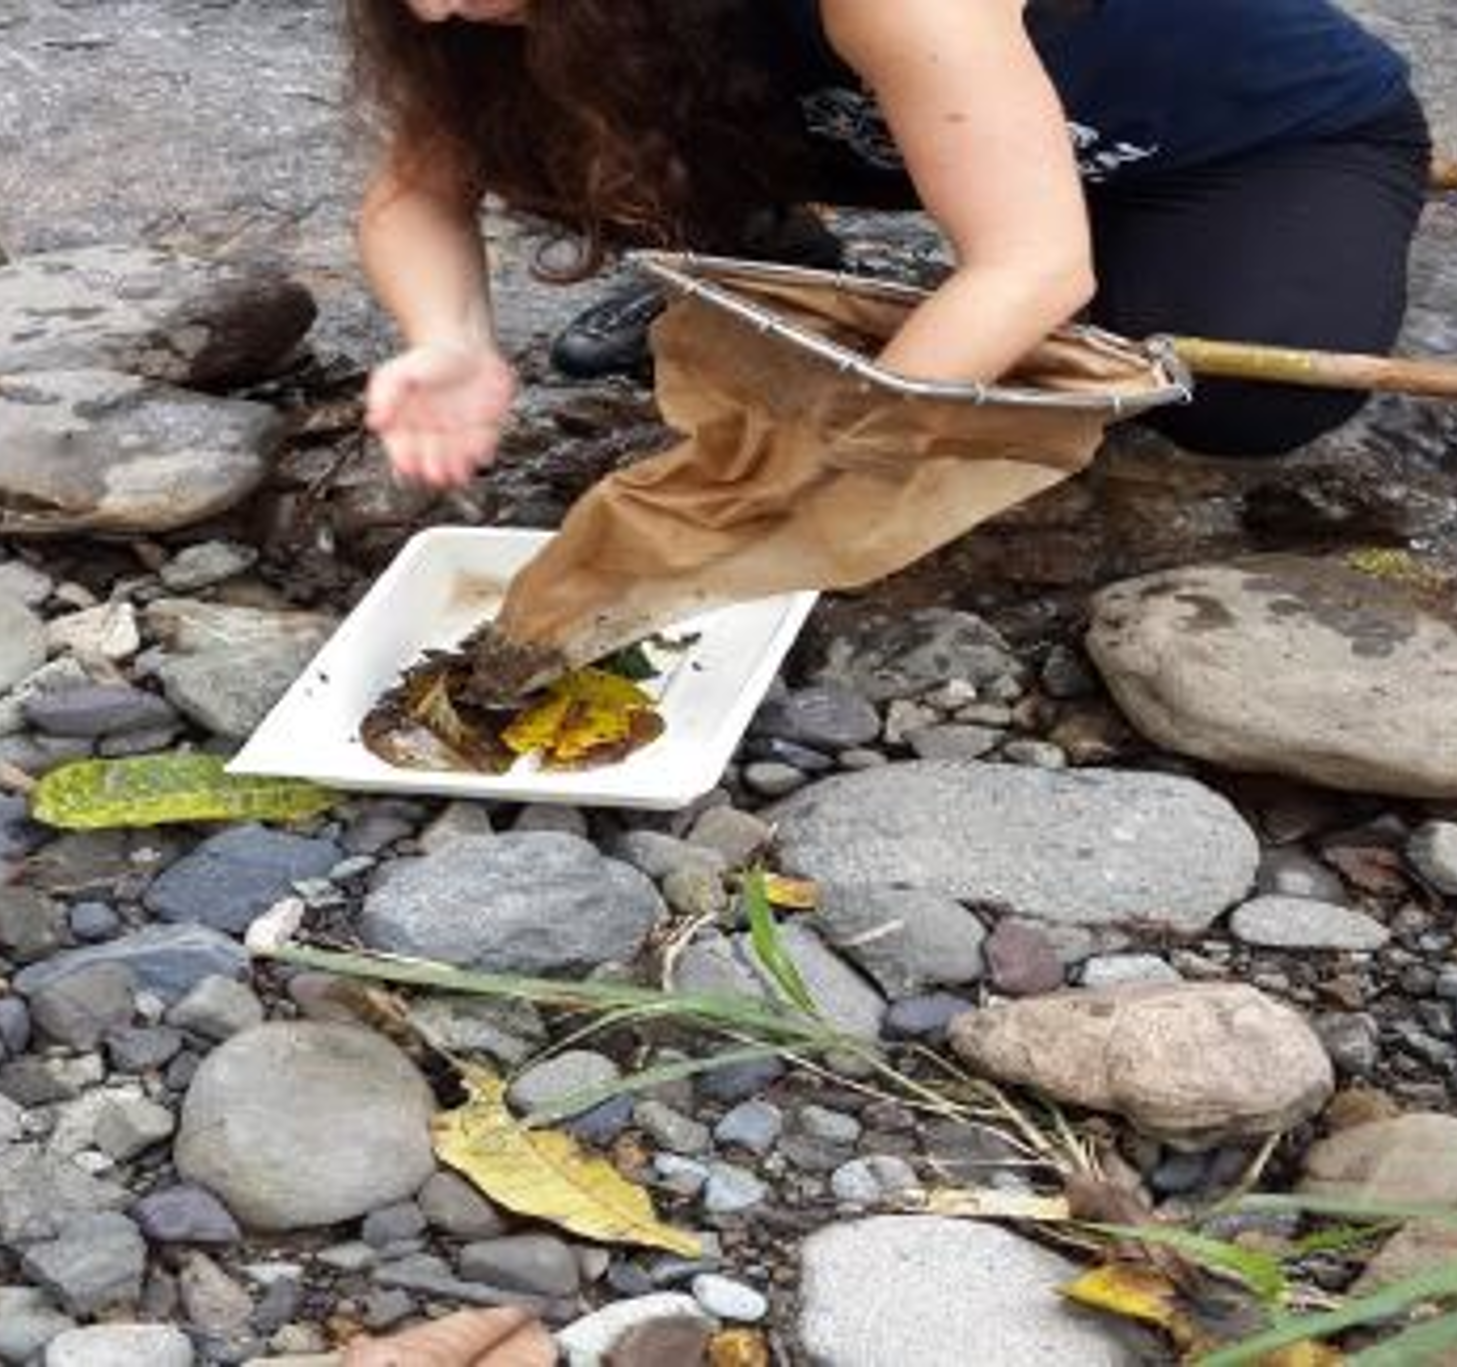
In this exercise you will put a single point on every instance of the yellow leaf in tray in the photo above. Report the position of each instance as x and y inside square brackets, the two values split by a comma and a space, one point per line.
[587, 717]
[544, 1174]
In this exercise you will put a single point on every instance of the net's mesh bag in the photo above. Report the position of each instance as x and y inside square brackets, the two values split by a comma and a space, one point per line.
[802, 464]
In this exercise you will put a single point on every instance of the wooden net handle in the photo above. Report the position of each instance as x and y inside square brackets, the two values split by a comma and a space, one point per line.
[1443, 176]
[1318, 369]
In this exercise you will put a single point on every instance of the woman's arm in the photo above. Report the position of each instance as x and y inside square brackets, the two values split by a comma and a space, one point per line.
[986, 143]
[439, 405]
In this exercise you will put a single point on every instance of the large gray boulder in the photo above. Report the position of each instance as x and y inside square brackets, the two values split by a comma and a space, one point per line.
[535, 902]
[297, 1125]
[1090, 847]
[1291, 665]
[99, 451]
[150, 313]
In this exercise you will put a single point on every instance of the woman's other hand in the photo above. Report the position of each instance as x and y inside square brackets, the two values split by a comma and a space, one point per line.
[439, 408]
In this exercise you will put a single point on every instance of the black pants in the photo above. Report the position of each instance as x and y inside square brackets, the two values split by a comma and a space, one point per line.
[1301, 245]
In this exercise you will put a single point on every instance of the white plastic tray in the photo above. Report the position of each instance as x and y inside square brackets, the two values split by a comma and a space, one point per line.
[446, 581]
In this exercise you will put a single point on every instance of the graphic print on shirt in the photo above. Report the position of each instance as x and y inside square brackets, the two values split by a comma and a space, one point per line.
[853, 119]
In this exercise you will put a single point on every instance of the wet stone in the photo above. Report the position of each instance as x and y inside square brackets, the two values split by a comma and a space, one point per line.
[1021, 960]
[31, 924]
[1304, 923]
[92, 922]
[732, 1189]
[217, 1008]
[232, 878]
[96, 1263]
[1432, 850]
[871, 1180]
[98, 710]
[80, 1009]
[1289, 872]
[751, 1125]
[142, 1049]
[923, 1018]
[727, 1299]
[538, 1264]
[185, 1215]
[552, 1082]
[1105, 970]
[670, 1129]
[455, 1207]
[828, 717]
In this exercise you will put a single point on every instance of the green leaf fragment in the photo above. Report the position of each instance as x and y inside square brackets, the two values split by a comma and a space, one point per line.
[153, 790]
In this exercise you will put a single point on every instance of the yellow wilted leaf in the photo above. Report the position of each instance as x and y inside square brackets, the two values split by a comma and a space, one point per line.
[1140, 1293]
[178, 786]
[738, 1348]
[791, 894]
[587, 716]
[544, 1174]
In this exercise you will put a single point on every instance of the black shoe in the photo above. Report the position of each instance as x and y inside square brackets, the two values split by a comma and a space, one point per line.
[611, 336]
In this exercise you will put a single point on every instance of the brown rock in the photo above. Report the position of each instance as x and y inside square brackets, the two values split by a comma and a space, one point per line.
[1409, 1160]
[1022, 961]
[1193, 1064]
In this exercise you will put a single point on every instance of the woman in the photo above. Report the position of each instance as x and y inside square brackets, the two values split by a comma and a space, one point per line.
[1249, 169]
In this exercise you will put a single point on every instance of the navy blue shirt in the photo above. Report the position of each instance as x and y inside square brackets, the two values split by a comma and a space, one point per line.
[1147, 85]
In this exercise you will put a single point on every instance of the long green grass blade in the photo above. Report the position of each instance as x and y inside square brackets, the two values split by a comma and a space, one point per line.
[1433, 1285]
[769, 945]
[1260, 1272]
[745, 1015]
[1421, 1343]
[153, 790]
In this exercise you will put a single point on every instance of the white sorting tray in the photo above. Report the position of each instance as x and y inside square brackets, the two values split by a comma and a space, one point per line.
[447, 580]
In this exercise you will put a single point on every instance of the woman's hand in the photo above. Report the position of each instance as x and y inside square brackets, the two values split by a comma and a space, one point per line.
[439, 408]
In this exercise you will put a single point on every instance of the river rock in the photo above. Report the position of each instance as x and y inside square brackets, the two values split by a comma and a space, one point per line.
[148, 312]
[881, 657]
[121, 1345]
[226, 666]
[235, 876]
[167, 960]
[22, 642]
[1407, 1160]
[906, 939]
[97, 451]
[297, 1125]
[1282, 664]
[944, 1293]
[533, 902]
[1305, 923]
[1090, 847]
[1194, 1064]
[41, 1192]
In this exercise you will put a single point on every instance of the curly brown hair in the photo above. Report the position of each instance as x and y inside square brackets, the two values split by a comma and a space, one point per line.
[626, 122]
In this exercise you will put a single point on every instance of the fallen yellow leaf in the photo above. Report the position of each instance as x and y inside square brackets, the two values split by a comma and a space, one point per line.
[544, 1174]
[738, 1348]
[587, 717]
[1140, 1293]
[791, 894]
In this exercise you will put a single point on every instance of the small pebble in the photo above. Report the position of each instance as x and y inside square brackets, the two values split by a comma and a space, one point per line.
[751, 1125]
[727, 1299]
[732, 1189]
